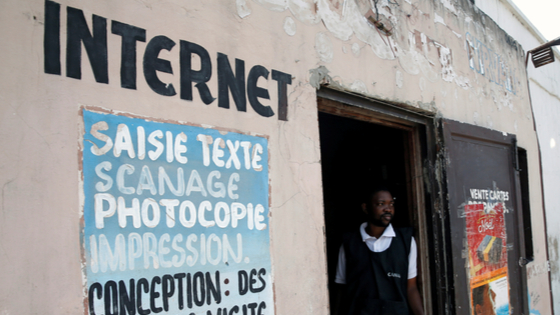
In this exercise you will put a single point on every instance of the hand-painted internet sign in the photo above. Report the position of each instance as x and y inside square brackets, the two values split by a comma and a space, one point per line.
[78, 34]
[175, 218]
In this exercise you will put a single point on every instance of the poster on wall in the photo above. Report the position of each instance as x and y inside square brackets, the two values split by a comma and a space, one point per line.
[174, 218]
[486, 235]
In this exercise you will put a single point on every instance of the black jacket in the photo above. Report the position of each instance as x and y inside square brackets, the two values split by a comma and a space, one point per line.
[377, 282]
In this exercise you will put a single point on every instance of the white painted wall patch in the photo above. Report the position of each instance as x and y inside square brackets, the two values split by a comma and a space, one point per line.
[356, 49]
[304, 11]
[242, 9]
[438, 19]
[399, 79]
[359, 86]
[290, 26]
[324, 47]
[274, 5]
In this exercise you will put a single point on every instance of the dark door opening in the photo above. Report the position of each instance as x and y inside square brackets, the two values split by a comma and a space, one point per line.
[357, 155]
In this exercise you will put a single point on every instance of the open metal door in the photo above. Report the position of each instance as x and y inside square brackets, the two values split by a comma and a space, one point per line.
[484, 216]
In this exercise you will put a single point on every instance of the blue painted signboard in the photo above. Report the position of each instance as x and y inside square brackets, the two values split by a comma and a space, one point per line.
[175, 218]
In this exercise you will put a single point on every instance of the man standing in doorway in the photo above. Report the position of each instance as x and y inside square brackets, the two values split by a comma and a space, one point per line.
[377, 264]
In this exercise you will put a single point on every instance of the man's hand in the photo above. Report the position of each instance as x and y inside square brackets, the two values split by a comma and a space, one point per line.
[414, 300]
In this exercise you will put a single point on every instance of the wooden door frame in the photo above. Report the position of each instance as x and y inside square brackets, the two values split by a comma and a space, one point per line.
[425, 181]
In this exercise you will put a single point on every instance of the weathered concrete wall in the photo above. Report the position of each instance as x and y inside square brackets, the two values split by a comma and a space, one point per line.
[545, 96]
[443, 57]
[547, 114]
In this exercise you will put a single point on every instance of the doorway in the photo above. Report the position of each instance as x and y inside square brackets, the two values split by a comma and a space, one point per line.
[366, 147]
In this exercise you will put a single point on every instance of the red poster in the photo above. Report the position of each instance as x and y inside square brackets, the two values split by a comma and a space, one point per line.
[486, 237]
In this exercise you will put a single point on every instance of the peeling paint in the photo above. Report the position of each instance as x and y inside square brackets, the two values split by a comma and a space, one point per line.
[506, 101]
[347, 18]
[242, 9]
[290, 26]
[476, 118]
[463, 82]
[334, 20]
[488, 35]
[304, 11]
[409, 61]
[421, 55]
[274, 5]
[438, 19]
[319, 76]
[324, 47]
[356, 49]
[399, 78]
[489, 122]
[431, 106]
[367, 33]
[422, 84]
[447, 72]
[449, 6]
[429, 71]
[359, 86]
[535, 269]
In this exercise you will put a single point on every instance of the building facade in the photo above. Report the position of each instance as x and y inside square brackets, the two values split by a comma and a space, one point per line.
[205, 157]
[545, 101]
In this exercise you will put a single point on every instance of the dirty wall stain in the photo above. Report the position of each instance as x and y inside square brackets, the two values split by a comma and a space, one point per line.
[398, 37]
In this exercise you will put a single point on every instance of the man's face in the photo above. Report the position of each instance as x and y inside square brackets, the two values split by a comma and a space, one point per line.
[381, 209]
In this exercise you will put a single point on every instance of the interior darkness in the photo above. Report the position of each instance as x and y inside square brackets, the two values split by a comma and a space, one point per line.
[357, 156]
[526, 206]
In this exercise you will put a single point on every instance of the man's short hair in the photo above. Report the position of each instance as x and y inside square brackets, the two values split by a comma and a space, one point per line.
[371, 191]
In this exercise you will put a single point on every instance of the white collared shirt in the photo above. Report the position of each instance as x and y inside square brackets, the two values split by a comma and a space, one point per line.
[376, 245]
